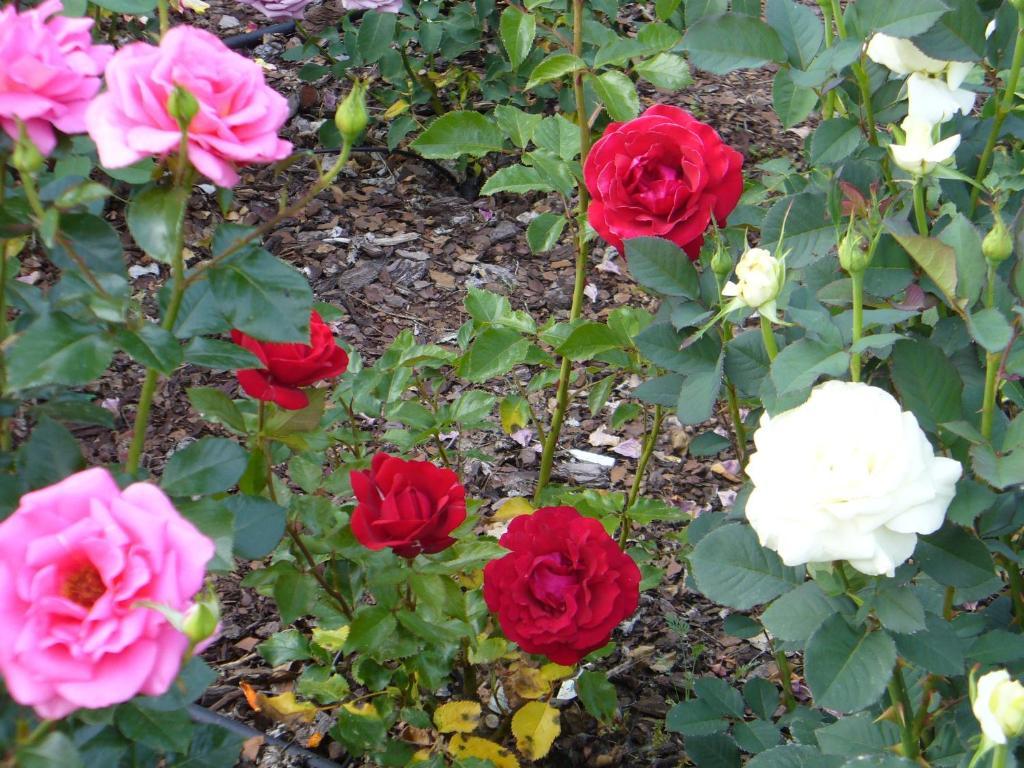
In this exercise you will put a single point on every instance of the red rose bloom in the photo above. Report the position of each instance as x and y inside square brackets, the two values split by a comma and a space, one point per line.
[288, 367]
[661, 175]
[410, 506]
[564, 586]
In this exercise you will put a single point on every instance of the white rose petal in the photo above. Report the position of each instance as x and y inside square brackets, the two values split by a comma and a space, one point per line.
[759, 278]
[902, 56]
[999, 706]
[934, 101]
[847, 476]
[919, 154]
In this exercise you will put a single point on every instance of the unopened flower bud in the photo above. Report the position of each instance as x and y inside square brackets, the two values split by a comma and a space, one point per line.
[998, 244]
[853, 253]
[26, 156]
[721, 262]
[759, 279]
[999, 706]
[200, 621]
[351, 116]
[182, 106]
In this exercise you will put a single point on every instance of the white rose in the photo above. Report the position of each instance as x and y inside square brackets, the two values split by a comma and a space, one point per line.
[932, 100]
[760, 277]
[847, 476]
[999, 706]
[919, 153]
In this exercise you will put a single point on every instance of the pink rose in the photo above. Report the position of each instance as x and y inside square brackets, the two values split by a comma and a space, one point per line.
[76, 559]
[50, 70]
[381, 6]
[239, 114]
[279, 9]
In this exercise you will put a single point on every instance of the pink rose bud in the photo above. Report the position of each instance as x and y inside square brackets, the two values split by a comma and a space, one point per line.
[49, 70]
[237, 119]
[79, 562]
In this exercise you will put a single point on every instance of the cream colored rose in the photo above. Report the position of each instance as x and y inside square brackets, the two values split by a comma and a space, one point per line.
[760, 277]
[847, 476]
[919, 153]
[999, 706]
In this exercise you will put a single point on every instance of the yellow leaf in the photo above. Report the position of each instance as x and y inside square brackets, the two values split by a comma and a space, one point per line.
[285, 708]
[527, 683]
[488, 649]
[457, 717]
[514, 412]
[535, 727]
[421, 756]
[474, 746]
[331, 639]
[366, 709]
[514, 507]
[552, 672]
[472, 580]
[396, 109]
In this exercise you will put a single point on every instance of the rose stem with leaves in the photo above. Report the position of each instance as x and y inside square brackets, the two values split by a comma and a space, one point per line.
[650, 439]
[992, 364]
[857, 283]
[861, 76]
[565, 371]
[1003, 109]
[901, 703]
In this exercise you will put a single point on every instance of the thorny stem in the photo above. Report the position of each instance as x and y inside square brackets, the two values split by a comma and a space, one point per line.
[786, 678]
[1003, 109]
[1016, 587]
[565, 371]
[641, 468]
[425, 83]
[857, 280]
[314, 569]
[739, 431]
[920, 210]
[901, 701]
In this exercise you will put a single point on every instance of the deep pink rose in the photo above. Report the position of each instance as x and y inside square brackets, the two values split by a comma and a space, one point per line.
[564, 585]
[381, 6]
[239, 114]
[49, 70]
[279, 9]
[76, 558]
[661, 175]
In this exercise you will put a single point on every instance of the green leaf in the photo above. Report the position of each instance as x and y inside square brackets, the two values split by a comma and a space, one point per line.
[517, 124]
[282, 647]
[998, 471]
[589, 339]
[544, 232]
[56, 749]
[662, 267]
[494, 352]
[554, 67]
[898, 608]
[761, 696]
[517, 32]
[209, 465]
[472, 408]
[955, 557]
[162, 729]
[259, 525]
[370, 628]
[155, 216]
[720, 44]
[51, 453]
[517, 179]
[133, 7]
[963, 237]
[717, 750]
[151, 346]
[215, 406]
[792, 103]
[834, 140]
[801, 363]
[731, 567]
[294, 592]
[990, 328]
[663, 9]
[797, 614]
[934, 399]
[792, 756]
[719, 695]
[219, 355]
[959, 35]
[756, 735]
[937, 260]
[699, 393]
[667, 71]
[896, 19]
[598, 695]
[376, 32]
[799, 29]
[809, 232]
[695, 718]
[459, 133]
[937, 649]
[997, 647]
[57, 349]
[859, 734]
[558, 136]
[847, 669]
[618, 94]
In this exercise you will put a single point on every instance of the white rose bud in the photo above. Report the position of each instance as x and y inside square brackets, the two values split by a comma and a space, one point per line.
[760, 276]
[999, 706]
[848, 475]
[919, 154]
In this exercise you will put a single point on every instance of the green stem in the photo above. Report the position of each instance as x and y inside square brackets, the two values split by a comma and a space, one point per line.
[999, 755]
[650, 441]
[864, 83]
[5, 434]
[28, 184]
[920, 211]
[988, 407]
[857, 280]
[425, 83]
[1003, 109]
[565, 370]
[901, 701]
[1016, 587]
[314, 569]
[165, 17]
[786, 678]
[837, 14]
[947, 603]
[770, 346]
[739, 431]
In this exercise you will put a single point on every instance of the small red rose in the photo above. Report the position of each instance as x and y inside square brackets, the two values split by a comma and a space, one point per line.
[663, 174]
[563, 587]
[410, 506]
[289, 367]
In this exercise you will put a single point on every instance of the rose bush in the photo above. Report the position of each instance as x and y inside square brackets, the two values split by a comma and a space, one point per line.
[664, 174]
[848, 475]
[563, 587]
[409, 506]
[77, 559]
[238, 115]
[289, 367]
[51, 71]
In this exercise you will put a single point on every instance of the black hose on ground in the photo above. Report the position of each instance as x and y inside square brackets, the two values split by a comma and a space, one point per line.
[310, 759]
[252, 39]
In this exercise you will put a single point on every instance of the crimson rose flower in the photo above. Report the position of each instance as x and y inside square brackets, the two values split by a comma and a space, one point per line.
[564, 586]
[661, 175]
[287, 367]
[410, 506]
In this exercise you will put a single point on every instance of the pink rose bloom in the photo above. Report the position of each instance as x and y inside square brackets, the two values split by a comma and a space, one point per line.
[76, 558]
[49, 70]
[279, 9]
[239, 114]
[381, 6]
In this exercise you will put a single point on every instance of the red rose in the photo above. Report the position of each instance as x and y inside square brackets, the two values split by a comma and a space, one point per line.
[288, 367]
[564, 586]
[410, 506]
[661, 175]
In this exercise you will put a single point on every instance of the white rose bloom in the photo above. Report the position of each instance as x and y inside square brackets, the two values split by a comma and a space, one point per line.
[999, 706]
[760, 277]
[933, 100]
[847, 476]
[919, 153]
